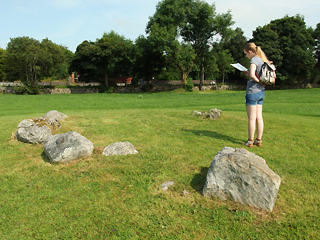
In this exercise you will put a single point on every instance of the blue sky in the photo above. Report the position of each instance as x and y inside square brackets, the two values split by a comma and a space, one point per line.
[70, 22]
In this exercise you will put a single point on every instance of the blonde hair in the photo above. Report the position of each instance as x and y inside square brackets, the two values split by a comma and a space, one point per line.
[257, 51]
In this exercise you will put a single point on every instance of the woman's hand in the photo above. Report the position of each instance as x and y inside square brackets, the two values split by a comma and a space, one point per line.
[261, 83]
[246, 73]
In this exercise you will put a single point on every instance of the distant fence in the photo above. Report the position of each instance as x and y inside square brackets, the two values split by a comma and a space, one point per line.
[156, 86]
[154, 82]
[9, 84]
[178, 82]
[52, 83]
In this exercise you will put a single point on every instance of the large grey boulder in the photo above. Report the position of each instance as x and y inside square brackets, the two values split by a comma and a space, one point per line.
[242, 176]
[119, 148]
[36, 130]
[55, 114]
[67, 147]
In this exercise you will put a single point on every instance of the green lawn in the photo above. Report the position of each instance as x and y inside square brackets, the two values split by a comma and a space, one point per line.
[119, 197]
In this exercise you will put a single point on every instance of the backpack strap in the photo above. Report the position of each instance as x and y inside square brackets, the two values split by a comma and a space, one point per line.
[259, 79]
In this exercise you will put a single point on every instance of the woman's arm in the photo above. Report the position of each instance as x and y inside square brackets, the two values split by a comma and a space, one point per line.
[252, 73]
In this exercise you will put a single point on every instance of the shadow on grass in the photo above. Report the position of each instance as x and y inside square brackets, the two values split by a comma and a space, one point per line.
[199, 180]
[44, 157]
[213, 134]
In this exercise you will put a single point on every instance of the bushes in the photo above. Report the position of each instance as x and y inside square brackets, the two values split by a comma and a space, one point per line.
[105, 89]
[189, 86]
[27, 90]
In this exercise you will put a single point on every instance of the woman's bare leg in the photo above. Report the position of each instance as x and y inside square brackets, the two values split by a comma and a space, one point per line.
[252, 118]
[259, 121]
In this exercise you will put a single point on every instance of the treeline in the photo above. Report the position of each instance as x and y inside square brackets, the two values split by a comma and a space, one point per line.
[185, 39]
[29, 61]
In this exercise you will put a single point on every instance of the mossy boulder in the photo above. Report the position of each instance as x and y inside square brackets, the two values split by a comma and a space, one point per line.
[36, 130]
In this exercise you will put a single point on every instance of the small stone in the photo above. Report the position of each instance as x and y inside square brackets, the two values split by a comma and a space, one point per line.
[119, 148]
[184, 193]
[165, 186]
[212, 114]
[55, 114]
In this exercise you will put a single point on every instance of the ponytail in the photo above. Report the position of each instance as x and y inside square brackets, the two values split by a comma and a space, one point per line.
[256, 50]
[261, 54]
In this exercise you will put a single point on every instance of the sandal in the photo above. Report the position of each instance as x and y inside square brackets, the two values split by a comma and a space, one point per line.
[257, 142]
[249, 143]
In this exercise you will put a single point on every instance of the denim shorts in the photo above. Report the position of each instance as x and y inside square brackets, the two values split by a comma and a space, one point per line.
[255, 98]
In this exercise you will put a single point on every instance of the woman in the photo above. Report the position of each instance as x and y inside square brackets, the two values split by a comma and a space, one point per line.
[254, 93]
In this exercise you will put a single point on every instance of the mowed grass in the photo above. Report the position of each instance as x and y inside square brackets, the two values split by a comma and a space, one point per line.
[119, 197]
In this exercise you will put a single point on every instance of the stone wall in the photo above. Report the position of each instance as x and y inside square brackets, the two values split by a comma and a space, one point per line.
[7, 90]
[178, 82]
[69, 90]
[10, 90]
[155, 88]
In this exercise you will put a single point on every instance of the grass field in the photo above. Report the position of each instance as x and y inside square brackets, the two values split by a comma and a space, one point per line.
[119, 197]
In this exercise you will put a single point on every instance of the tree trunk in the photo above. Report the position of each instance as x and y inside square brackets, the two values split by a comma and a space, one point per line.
[106, 79]
[201, 77]
[184, 75]
[27, 71]
[318, 64]
[223, 74]
[183, 78]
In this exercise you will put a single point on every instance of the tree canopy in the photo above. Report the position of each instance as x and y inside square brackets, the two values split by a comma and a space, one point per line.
[2, 69]
[184, 39]
[148, 61]
[290, 45]
[110, 56]
[29, 60]
[235, 43]
[316, 36]
[183, 29]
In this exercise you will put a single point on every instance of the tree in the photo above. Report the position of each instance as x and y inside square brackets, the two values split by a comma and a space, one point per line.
[2, 69]
[235, 44]
[116, 56]
[290, 45]
[108, 57]
[52, 59]
[63, 69]
[211, 69]
[183, 29]
[29, 60]
[223, 60]
[22, 60]
[316, 37]
[85, 61]
[148, 62]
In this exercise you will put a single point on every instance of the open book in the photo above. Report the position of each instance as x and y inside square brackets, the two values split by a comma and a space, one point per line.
[239, 66]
